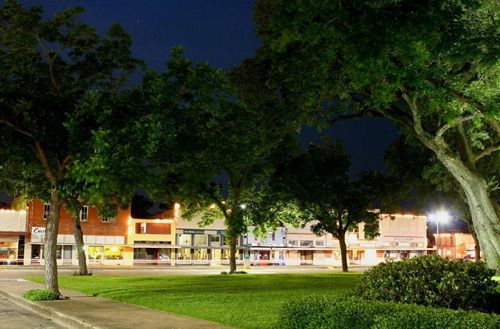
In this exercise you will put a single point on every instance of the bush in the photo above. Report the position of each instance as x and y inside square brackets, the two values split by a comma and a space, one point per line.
[431, 280]
[354, 313]
[40, 294]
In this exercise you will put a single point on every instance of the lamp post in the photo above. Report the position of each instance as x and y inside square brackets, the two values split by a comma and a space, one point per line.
[440, 216]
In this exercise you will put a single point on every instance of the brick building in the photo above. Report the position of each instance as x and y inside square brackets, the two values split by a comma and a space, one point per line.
[105, 238]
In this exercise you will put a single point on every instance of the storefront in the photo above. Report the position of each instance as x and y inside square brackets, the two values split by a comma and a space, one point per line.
[9, 247]
[100, 250]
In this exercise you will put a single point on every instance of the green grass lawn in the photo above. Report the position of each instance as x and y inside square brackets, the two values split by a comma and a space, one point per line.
[239, 301]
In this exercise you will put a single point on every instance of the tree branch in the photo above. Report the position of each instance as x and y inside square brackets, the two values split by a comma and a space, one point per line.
[487, 151]
[40, 153]
[14, 127]
[454, 123]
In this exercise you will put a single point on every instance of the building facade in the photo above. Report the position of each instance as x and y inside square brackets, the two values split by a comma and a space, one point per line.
[204, 245]
[168, 239]
[455, 245]
[400, 236]
[105, 238]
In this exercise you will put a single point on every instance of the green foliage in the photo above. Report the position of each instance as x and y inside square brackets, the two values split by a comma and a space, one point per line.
[40, 294]
[353, 313]
[431, 280]
[432, 68]
[208, 148]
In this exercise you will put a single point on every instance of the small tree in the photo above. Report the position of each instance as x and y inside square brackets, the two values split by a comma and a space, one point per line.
[201, 132]
[317, 184]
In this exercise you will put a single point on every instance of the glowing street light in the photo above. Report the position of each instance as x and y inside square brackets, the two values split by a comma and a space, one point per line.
[441, 216]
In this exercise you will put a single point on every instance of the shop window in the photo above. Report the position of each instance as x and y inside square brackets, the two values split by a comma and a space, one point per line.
[184, 239]
[200, 240]
[113, 252]
[96, 253]
[46, 211]
[84, 214]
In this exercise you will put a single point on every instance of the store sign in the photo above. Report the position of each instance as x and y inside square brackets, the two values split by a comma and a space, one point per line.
[38, 230]
[37, 234]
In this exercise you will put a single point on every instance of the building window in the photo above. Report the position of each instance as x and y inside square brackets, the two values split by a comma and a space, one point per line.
[46, 211]
[140, 228]
[185, 239]
[294, 243]
[306, 243]
[108, 219]
[319, 243]
[215, 240]
[200, 240]
[84, 213]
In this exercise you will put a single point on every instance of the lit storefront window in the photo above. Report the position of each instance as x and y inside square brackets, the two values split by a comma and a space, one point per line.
[8, 251]
[113, 252]
[96, 253]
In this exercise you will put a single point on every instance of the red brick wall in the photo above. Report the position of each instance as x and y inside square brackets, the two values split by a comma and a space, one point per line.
[93, 226]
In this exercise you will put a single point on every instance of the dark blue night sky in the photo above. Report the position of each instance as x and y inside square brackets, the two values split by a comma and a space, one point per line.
[221, 33]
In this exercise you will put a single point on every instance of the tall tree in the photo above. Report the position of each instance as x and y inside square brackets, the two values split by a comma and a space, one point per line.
[49, 68]
[417, 174]
[203, 132]
[431, 67]
[314, 186]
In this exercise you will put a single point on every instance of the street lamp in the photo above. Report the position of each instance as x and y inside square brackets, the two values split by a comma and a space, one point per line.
[440, 216]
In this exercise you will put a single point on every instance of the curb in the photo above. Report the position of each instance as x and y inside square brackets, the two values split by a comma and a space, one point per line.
[49, 313]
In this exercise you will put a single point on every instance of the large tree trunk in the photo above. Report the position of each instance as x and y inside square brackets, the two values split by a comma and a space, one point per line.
[343, 252]
[232, 254]
[477, 247]
[82, 260]
[50, 244]
[483, 208]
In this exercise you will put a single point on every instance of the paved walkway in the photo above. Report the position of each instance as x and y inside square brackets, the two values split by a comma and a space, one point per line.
[15, 316]
[85, 312]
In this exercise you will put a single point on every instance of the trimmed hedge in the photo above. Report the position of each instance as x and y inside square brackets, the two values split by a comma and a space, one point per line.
[433, 281]
[40, 294]
[354, 313]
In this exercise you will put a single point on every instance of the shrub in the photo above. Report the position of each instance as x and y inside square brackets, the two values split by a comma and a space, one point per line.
[354, 313]
[431, 280]
[40, 294]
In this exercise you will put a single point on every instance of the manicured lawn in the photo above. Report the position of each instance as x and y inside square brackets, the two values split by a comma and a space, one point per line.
[240, 301]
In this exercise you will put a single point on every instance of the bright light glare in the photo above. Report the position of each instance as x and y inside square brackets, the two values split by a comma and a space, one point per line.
[440, 216]
[243, 206]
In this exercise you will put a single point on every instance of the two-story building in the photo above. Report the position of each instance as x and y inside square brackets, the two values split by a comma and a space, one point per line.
[105, 238]
[153, 239]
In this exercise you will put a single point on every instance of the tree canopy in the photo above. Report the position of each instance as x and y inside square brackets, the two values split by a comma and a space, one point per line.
[314, 187]
[50, 71]
[431, 67]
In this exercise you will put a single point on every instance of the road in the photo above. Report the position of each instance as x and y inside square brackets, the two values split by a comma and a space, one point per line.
[13, 316]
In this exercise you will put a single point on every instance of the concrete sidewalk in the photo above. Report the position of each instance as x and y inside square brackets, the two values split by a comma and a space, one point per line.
[85, 312]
